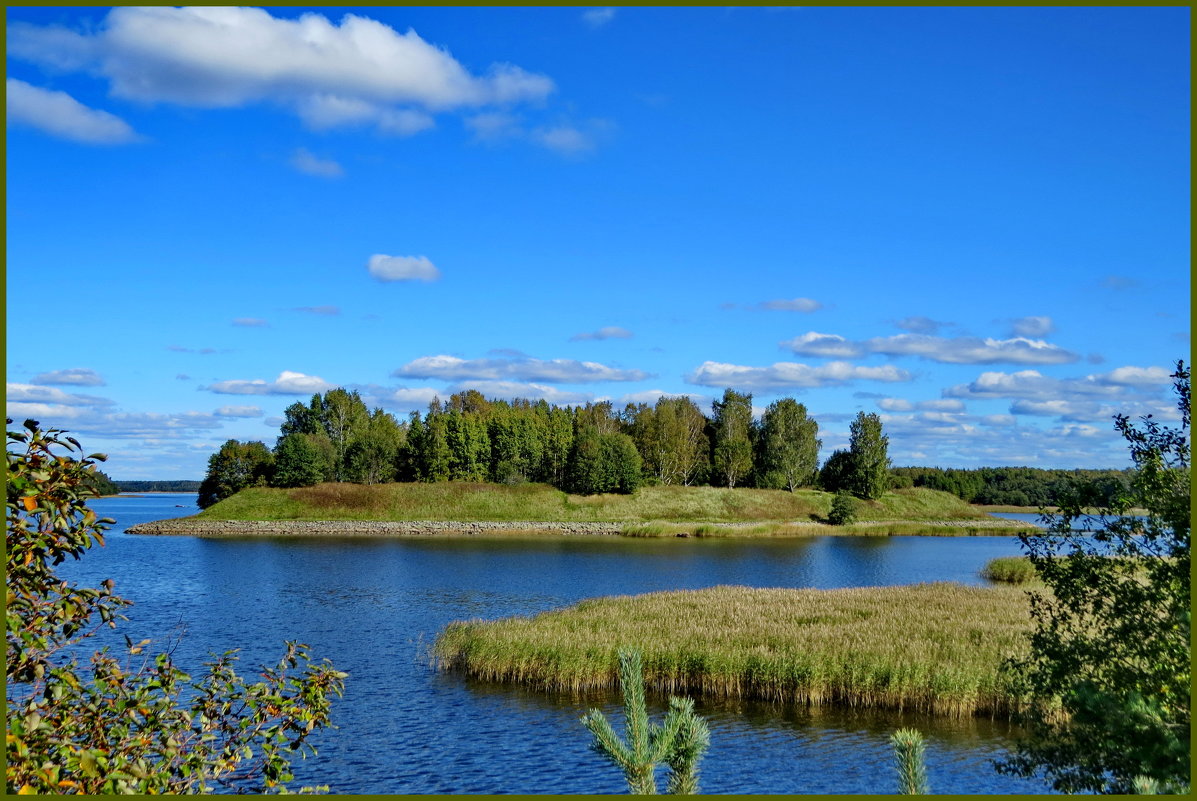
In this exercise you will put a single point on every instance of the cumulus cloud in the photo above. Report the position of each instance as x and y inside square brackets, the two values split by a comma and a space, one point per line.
[303, 160]
[606, 332]
[287, 383]
[508, 390]
[204, 351]
[651, 396]
[32, 393]
[953, 350]
[1068, 409]
[402, 268]
[352, 73]
[790, 375]
[326, 311]
[238, 411]
[920, 325]
[1032, 385]
[805, 305]
[493, 126]
[933, 406]
[565, 138]
[61, 115]
[598, 17]
[831, 346]
[556, 371]
[241, 322]
[358, 71]
[1032, 327]
[75, 376]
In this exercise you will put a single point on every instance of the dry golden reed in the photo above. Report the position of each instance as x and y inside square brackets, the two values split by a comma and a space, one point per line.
[928, 647]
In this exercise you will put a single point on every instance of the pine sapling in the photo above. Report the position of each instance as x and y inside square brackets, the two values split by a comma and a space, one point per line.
[679, 741]
[908, 755]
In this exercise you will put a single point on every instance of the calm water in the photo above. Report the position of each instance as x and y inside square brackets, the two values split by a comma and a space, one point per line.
[374, 606]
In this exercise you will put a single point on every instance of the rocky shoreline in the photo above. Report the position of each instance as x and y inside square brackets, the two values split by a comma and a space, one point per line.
[193, 527]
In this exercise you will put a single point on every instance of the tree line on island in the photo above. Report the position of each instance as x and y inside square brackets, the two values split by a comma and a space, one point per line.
[598, 448]
[582, 449]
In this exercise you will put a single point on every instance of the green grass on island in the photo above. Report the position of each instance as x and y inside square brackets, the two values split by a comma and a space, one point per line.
[651, 511]
[929, 647]
[1010, 569]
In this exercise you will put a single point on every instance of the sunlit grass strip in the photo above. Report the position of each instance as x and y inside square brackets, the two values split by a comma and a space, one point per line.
[928, 647]
[660, 529]
[455, 500]
[1012, 569]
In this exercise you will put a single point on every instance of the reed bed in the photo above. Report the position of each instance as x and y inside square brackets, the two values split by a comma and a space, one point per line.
[929, 648]
[1011, 569]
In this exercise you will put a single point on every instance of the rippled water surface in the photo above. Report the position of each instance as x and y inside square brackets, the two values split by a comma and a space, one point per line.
[373, 606]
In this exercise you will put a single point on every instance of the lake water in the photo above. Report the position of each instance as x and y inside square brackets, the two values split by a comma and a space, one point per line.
[373, 606]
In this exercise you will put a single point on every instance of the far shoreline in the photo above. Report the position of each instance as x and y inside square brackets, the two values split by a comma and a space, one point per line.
[213, 528]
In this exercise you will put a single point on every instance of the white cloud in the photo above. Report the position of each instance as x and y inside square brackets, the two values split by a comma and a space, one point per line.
[1068, 409]
[219, 57]
[651, 396]
[598, 17]
[557, 371]
[325, 311]
[787, 375]
[831, 346]
[303, 160]
[902, 405]
[508, 390]
[805, 305]
[1134, 377]
[326, 112]
[955, 350]
[31, 393]
[606, 332]
[75, 376]
[1032, 385]
[238, 411]
[1032, 326]
[491, 126]
[287, 383]
[402, 268]
[919, 325]
[565, 139]
[61, 115]
[944, 405]
[242, 322]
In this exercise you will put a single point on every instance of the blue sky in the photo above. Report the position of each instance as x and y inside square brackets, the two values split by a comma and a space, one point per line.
[974, 222]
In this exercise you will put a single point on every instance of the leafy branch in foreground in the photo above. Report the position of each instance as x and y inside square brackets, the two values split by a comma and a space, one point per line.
[137, 724]
[1109, 668]
[678, 742]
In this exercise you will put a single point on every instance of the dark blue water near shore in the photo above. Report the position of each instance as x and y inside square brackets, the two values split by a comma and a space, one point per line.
[373, 606]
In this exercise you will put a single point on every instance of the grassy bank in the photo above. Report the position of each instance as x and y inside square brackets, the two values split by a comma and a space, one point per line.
[929, 647]
[540, 502]
[1011, 569]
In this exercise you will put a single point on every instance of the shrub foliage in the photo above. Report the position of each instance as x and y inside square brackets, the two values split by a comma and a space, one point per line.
[1111, 643]
[136, 724]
